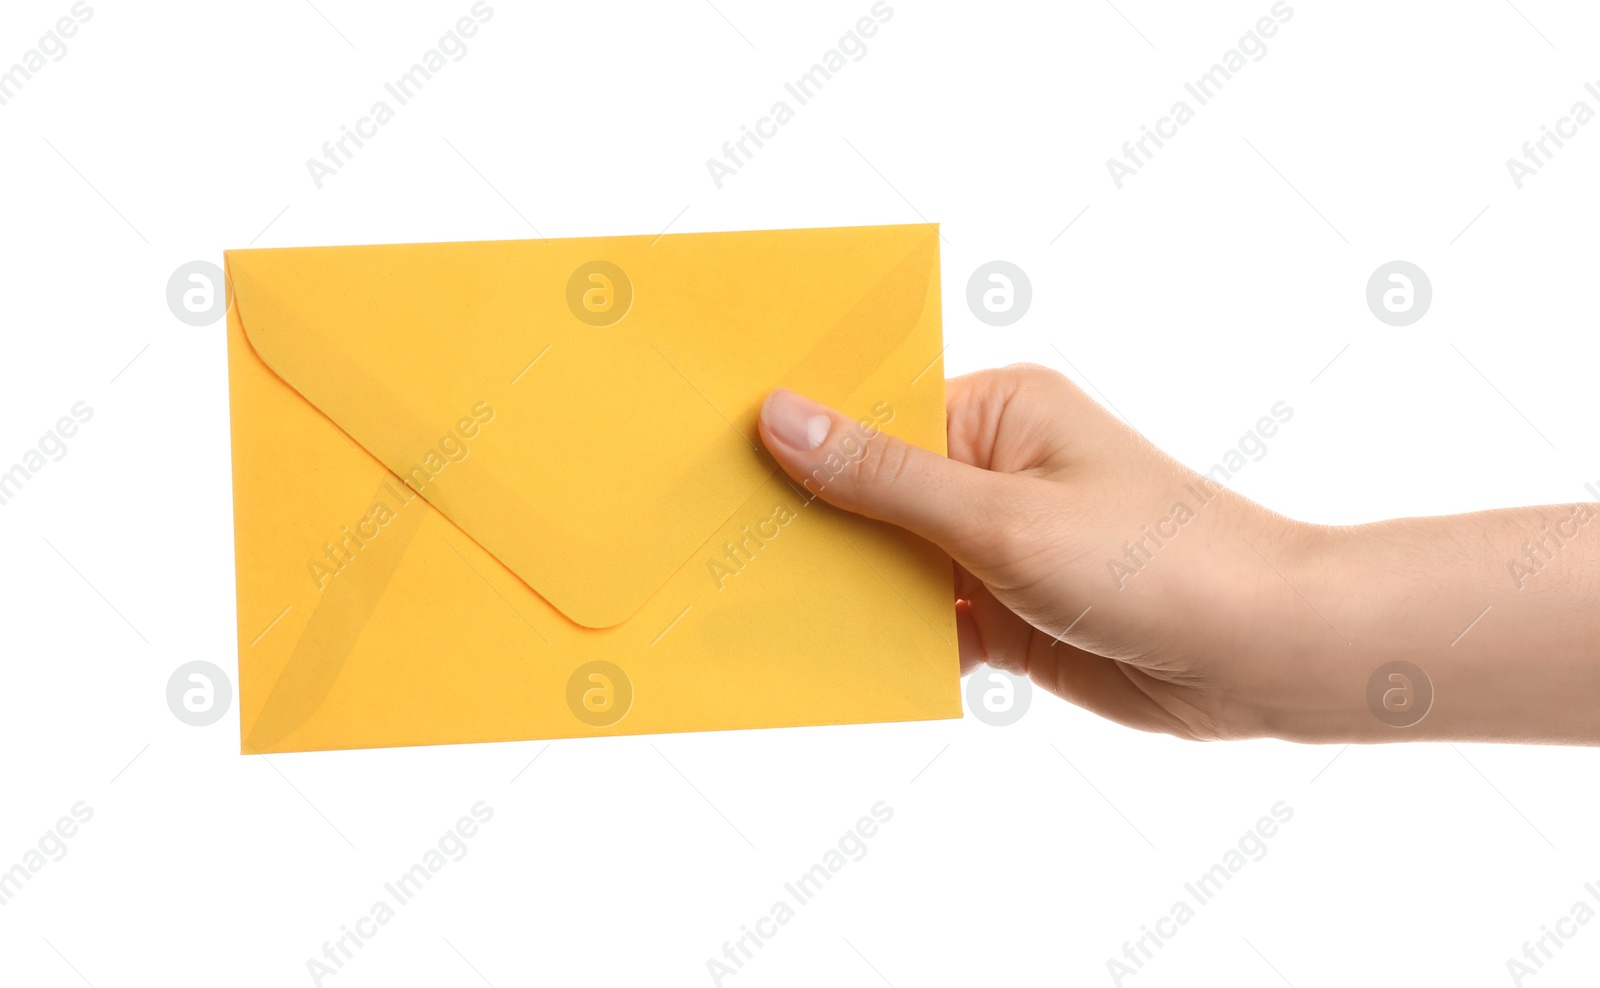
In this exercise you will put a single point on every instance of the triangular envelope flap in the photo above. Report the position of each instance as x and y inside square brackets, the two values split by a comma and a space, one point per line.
[592, 459]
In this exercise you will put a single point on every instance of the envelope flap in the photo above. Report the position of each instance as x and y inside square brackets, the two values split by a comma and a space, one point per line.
[584, 409]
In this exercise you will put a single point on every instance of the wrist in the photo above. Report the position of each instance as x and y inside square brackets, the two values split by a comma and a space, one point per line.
[1317, 612]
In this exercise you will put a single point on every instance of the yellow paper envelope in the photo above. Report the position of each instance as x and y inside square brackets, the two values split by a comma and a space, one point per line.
[512, 490]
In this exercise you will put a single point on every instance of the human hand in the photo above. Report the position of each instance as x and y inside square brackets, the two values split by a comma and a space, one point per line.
[1119, 579]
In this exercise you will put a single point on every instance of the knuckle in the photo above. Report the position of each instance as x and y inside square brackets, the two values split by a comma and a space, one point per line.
[1005, 531]
[1035, 373]
[883, 464]
[1015, 528]
[1037, 379]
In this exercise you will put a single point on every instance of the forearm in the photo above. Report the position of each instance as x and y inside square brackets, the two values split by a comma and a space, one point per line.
[1499, 610]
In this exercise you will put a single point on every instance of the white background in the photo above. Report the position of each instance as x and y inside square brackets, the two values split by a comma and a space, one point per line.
[1223, 278]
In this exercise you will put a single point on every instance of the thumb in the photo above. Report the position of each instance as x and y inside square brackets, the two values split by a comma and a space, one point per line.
[856, 467]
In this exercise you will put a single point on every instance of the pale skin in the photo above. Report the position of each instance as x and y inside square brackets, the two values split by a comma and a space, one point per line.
[1242, 624]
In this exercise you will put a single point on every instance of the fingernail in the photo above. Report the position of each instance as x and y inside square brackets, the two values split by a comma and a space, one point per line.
[798, 422]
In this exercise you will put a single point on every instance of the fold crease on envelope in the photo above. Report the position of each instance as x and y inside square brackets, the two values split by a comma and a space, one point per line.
[457, 495]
